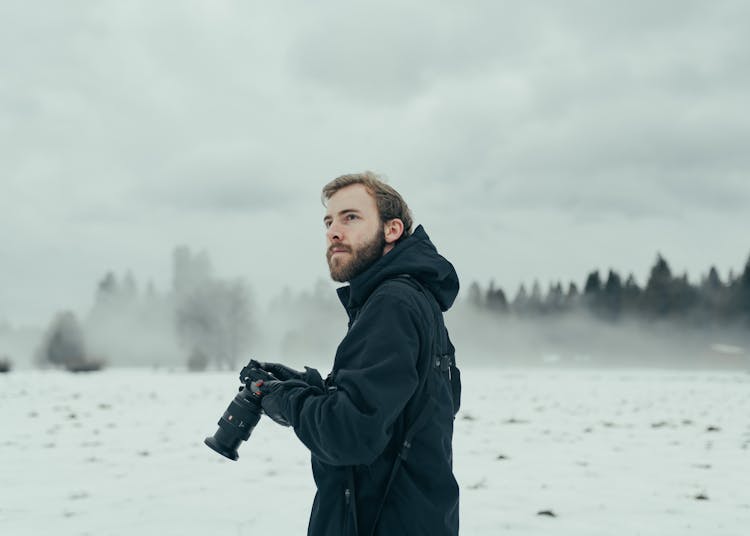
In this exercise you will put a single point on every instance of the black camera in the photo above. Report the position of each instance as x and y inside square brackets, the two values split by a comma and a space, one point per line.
[243, 413]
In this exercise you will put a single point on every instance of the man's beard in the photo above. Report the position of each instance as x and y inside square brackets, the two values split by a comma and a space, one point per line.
[361, 259]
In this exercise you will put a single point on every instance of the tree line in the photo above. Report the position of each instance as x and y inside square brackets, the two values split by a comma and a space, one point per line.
[610, 298]
[205, 320]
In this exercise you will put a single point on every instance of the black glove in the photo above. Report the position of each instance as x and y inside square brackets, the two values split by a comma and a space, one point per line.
[267, 382]
[254, 372]
[271, 399]
[271, 404]
[261, 383]
[283, 373]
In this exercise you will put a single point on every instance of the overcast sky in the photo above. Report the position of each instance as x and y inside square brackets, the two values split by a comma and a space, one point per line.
[531, 139]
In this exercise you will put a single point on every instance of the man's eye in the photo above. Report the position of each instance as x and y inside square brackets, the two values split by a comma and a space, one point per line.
[351, 216]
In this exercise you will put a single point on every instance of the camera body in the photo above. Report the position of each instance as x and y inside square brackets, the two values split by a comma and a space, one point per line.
[240, 418]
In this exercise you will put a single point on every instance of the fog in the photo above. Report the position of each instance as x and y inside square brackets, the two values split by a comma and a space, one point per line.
[207, 320]
[305, 329]
[580, 340]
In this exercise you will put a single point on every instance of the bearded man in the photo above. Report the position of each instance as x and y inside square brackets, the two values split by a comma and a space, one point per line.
[380, 427]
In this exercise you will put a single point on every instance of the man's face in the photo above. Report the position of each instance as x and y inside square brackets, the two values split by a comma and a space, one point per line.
[354, 233]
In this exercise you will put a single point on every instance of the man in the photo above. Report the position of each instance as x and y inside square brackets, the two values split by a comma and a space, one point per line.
[380, 427]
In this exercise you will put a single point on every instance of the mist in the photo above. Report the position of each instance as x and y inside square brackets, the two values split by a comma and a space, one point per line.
[580, 340]
[205, 320]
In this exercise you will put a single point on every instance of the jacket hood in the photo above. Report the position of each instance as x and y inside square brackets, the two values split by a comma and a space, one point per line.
[415, 256]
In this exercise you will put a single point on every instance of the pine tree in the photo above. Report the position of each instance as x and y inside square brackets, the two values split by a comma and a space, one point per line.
[592, 293]
[496, 300]
[743, 292]
[612, 296]
[520, 304]
[593, 284]
[631, 295]
[657, 297]
[712, 297]
[536, 304]
[572, 297]
[684, 295]
[475, 295]
[555, 300]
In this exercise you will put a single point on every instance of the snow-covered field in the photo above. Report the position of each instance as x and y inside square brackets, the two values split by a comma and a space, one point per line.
[617, 452]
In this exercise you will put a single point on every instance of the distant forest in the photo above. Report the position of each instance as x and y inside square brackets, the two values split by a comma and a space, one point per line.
[665, 296]
[204, 320]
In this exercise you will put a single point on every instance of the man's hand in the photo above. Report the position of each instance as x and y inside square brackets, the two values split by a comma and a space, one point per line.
[262, 384]
[282, 372]
[310, 376]
[267, 382]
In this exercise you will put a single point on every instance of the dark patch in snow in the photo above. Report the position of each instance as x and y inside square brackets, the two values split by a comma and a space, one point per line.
[482, 484]
[548, 513]
[713, 428]
[701, 497]
[513, 420]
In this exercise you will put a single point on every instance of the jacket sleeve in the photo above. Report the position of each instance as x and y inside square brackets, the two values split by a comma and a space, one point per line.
[376, 375]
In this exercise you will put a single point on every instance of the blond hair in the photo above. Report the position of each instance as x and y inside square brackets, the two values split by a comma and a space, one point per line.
[389, 202]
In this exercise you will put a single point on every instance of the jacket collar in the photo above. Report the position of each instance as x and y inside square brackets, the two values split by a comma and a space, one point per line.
[415, 256]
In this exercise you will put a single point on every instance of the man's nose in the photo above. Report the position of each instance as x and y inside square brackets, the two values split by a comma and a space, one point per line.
[334, 233]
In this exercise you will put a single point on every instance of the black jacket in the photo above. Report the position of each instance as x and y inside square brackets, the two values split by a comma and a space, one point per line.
[355, 427]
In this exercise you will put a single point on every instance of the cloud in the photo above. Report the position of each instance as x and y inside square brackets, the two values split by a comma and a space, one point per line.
[118, 119]
[390, 53]
[219, 177]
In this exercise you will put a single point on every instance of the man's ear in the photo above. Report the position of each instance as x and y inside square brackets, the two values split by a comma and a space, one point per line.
[393, 230]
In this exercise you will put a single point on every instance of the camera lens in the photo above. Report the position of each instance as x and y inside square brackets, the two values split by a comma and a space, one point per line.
[236, 425]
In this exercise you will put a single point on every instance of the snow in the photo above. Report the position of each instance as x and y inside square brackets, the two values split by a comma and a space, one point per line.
[121, 452]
